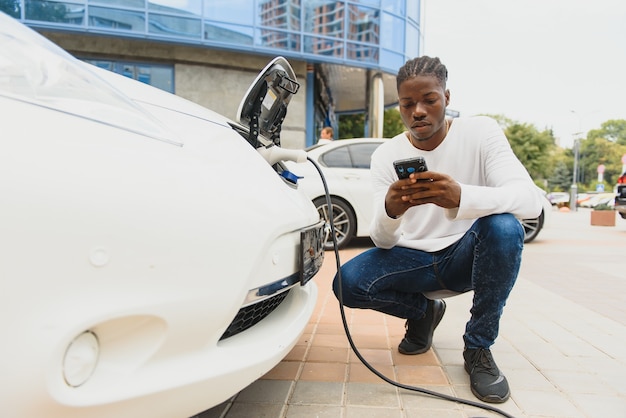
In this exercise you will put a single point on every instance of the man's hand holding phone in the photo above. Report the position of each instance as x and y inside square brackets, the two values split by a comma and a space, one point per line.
[418, 186]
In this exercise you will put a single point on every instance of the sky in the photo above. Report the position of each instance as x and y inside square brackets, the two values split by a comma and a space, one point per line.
[555, 64]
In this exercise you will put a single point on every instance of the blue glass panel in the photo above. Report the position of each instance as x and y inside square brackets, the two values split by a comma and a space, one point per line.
[57, 12]
[231, 11]
[396, 6]
[102, 17]
[121, 3]
[323, 46]
[391, 60]
[174, 26]
[232, 34]
[325, 19]
[363, 24]
[361, 52]
[413, 10]
[176, 6]
[374, 3]
[412, 48]
[278, 39]
[392, 35]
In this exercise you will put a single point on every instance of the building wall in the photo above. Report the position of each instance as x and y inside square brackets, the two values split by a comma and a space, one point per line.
[212, 78]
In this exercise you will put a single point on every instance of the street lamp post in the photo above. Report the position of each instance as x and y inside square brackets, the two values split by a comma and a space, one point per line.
[574, 189]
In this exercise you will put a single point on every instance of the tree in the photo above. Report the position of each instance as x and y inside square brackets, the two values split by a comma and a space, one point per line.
[353, 125]
[613, 130]
[561, 179]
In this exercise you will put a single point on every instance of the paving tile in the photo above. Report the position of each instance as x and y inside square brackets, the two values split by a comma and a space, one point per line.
[285, 370]
[266, 391]
[598, 406]
[421, 375]
[370, 394]
[372, 412]
[543, 403]
[261, 410]
[327, 354]
[373, 356]
[358, 372]
[324, 372]
[309, 411]
[317, 393]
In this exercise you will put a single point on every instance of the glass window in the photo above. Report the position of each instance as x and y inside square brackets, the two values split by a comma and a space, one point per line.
[362, 155]
[103, 17]
[374, 3]
[360, 52]
[279, 39]
[396, 6]
[392, 35]
[323, 46]
[325, 18]
[232, 34]
[390, 60]
[57, 12]
[339, 157]
[363, 24]
[413, 10]
[176, 6]
[140, 4]
[231, 11]
[160, 76]
[412, 39]
[174, 26]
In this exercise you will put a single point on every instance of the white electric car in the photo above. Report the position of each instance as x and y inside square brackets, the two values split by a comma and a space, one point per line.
[154, 258]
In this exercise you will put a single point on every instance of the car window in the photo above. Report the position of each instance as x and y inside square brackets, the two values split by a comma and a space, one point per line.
[337, 158]
[362, 154]
[350, 156]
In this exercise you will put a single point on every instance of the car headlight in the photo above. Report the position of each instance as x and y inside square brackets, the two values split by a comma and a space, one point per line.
[81, 359]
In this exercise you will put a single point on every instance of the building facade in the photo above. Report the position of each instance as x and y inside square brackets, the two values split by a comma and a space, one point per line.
[346, 53]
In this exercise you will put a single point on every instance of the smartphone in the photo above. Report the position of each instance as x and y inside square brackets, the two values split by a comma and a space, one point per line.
[404, 168]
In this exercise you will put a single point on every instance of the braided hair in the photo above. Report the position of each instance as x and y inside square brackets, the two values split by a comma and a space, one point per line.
[422, 66]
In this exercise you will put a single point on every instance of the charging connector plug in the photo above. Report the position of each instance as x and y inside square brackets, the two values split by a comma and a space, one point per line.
[274, 154]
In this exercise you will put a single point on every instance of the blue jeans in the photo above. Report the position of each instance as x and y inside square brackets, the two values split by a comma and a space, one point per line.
[486, 260]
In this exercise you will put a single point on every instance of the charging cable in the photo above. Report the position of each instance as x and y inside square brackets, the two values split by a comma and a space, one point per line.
[347, 331]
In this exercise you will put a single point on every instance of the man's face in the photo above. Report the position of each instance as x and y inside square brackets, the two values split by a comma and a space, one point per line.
[423, 102]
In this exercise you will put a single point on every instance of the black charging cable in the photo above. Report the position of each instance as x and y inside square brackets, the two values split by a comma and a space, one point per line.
[347, 331]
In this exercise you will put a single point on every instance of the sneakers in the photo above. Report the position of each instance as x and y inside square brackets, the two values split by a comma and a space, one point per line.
[487, 381]
[419, 332]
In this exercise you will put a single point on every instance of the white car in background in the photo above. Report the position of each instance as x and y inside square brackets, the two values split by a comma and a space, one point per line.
[154, 258]
[346, 166]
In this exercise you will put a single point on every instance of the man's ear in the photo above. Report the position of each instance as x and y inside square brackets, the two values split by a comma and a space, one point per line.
[447, 94]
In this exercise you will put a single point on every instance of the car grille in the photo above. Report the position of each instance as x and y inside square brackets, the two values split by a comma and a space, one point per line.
[250, 315]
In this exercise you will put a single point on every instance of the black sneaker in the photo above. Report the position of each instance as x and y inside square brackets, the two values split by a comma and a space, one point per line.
[419, 332]
[487, 381]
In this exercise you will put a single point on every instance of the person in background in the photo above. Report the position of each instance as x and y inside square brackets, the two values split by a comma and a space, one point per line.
[448, 230]
[326, 135]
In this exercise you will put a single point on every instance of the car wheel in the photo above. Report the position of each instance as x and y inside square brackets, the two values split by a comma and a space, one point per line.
[532, 227]
[343, 218]
[623, 215]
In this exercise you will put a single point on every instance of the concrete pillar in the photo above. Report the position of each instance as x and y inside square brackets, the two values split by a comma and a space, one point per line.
[376, 108]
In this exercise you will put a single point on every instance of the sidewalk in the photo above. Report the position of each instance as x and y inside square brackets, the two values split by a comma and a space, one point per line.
[563, 353]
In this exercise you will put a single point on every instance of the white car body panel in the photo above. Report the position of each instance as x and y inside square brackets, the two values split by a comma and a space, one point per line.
[148, 231]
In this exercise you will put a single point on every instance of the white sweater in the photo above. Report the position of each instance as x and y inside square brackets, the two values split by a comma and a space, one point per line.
[478, 156]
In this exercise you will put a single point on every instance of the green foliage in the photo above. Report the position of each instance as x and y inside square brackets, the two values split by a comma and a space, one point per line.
[603, 206]
[353, 125]
[613, 130]
[561, 179]
[532, 148]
